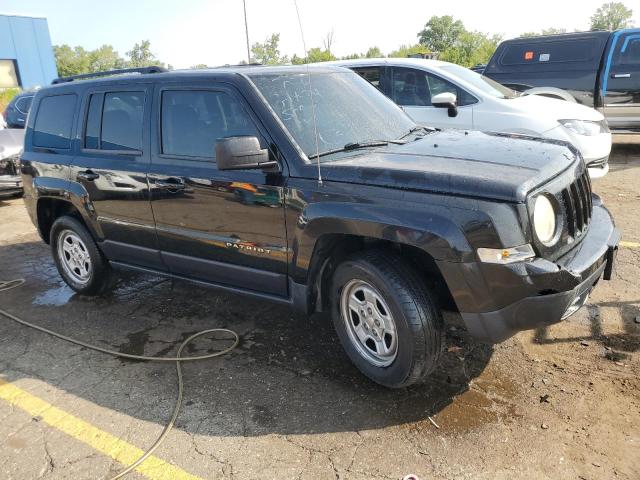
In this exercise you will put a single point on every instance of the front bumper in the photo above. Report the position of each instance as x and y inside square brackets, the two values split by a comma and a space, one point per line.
[598, 168]
[539, 292]
[10, 185]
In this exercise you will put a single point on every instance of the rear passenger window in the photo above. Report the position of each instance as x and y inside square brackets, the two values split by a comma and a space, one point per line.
[53, 123]
[122, 121]
[114, 121]
[192, 121]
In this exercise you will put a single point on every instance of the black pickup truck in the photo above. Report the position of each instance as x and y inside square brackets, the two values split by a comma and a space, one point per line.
[308, 187]
[598, 69]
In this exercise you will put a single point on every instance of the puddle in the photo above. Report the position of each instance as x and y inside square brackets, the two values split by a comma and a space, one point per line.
[55, 296]
[470, 410]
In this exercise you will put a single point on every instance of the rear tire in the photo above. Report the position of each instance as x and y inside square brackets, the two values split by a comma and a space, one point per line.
[386, 319]
[78, 259]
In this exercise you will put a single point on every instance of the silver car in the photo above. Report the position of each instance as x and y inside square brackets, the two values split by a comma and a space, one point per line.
[11, 145]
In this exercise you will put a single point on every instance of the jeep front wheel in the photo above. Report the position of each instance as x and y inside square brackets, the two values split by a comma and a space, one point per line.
[386, 319]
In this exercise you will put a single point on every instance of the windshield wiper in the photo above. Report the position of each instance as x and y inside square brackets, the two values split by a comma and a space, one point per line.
[357, 145]
[418, 128]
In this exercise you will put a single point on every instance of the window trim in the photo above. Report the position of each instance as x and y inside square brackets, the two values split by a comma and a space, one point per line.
[73, 120]
[132, 88]
[193, 87]
[20, 100]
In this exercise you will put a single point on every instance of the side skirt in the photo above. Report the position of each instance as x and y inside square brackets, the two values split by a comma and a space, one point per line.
[297, 300]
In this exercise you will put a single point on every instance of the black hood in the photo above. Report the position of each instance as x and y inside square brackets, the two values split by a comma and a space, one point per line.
[487, 165]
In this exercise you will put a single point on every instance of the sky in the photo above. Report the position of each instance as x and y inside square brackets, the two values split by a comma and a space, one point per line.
[189, 32]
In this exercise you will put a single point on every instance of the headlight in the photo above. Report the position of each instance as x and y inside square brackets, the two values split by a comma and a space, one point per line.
[544, 219]
[585, 127]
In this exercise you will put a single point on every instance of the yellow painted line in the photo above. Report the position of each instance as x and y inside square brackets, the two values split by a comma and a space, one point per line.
[630, 244]
[121, 451]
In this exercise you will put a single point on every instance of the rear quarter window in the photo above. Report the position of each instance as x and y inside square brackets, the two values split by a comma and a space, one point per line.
[558, 51]
[52, 128]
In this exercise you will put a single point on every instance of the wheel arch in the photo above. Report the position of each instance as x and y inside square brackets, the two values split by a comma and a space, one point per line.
[56, 197]
[326, 241]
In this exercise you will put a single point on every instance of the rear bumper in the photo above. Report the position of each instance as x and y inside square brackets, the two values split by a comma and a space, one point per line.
[539, 292]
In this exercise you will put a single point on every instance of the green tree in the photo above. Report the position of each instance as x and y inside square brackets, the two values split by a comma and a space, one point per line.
[71, 61]
[545, 31]
[612, 16]
[104, 58]
[141, 56]
[268, 52]
[199, 66]
[471, 48]
[403, 51]
[314, 55]
[351, 56]
[374, 52]
[317, 54]
[440, 33]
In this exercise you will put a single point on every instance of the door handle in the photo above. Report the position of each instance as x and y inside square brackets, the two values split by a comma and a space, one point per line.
[621, 75]
[174, 184]
[89, 176]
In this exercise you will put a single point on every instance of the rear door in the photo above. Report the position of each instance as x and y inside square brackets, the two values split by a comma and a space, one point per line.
[621, 85]
[413, 89]
[112, 166]
[224, 227]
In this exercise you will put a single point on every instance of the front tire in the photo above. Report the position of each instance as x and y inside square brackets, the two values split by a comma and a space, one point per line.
[386, 319]
[79, 262]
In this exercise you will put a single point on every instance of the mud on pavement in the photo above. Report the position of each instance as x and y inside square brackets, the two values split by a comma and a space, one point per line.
[560, 402]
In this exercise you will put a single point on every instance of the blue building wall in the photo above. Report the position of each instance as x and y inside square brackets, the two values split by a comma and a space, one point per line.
[26, 40]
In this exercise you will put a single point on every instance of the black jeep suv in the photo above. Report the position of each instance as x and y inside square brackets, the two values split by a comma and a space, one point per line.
[306, 186]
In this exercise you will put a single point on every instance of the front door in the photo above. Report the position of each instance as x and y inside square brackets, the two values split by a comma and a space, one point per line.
[112, 166]
[622, 83]
[225, 227]
[413, 89]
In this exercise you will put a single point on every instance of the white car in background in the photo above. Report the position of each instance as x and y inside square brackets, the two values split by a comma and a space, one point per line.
[445, 95]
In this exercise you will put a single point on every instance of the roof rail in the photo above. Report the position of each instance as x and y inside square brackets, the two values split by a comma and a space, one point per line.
[141, 70]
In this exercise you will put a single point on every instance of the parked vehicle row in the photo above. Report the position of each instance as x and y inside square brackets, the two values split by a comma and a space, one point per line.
[445, 95]
[308, 187]
[597, 69]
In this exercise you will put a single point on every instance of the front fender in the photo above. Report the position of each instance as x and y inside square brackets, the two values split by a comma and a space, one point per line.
[433, 230]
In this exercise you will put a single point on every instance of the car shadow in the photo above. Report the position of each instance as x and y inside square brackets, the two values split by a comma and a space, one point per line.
[287, 376]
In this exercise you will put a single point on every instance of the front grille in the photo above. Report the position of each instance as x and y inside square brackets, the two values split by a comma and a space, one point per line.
[578, 205]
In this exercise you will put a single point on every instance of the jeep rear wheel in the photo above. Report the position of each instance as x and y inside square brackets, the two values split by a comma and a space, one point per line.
[77, 257]
[386, 319]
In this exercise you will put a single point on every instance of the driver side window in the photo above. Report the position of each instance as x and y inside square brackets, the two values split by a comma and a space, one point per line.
[412, 87]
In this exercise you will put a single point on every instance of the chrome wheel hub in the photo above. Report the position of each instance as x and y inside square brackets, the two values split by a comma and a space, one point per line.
[369, 323]
[74, 256]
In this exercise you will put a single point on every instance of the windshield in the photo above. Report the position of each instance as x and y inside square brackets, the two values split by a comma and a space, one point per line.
[348, 109]
[482, 83]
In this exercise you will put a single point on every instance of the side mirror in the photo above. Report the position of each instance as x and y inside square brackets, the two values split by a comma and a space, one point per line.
[446, 100]
[242, 153]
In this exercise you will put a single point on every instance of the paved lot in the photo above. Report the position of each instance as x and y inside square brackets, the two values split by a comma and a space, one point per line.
[561, 402]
